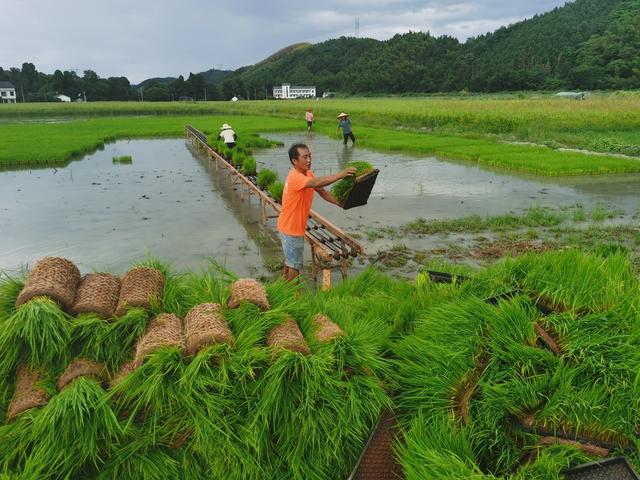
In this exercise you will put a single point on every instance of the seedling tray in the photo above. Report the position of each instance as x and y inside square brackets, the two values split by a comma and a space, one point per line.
[359, 194]
[616, 468]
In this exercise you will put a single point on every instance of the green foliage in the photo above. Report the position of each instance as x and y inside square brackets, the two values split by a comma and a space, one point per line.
[343, 187]
[123, 159]
[266, 177]
[249, 166]
[276, 189]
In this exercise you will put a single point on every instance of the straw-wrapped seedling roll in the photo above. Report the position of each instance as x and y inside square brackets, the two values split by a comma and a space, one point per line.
[324, 329]
[140, 287]
[97, 293]
[248, 290]
[125, 369]
[205, 325]
[28, 394]
[80, 367]
[288, 336]
[53, 277]
[165, 330]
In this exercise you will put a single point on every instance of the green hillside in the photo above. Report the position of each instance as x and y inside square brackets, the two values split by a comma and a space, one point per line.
[585, 44]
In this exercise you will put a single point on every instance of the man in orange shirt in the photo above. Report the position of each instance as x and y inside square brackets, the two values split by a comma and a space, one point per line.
[297, 197]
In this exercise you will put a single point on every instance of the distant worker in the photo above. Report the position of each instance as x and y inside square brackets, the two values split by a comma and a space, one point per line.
[297, 197]
[228, 135]
[309, 118]
[345, 124]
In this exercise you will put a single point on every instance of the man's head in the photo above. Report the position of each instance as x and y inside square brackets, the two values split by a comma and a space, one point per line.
[300, 157]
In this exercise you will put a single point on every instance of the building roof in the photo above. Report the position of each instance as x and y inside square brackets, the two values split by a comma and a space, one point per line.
[6, 84]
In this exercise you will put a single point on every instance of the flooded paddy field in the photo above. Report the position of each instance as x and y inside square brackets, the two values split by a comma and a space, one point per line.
[172, 203]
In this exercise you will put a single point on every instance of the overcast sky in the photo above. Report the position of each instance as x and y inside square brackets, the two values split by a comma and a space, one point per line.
[140, 39]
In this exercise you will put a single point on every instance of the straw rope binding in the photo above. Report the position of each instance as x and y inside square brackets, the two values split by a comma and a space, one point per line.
[165, 330]
[288, 336]
[248, 290]
[80, 367]
[27, 395]
[140, 287]
[54, 277]
[205, 325]
[324, 329]
[125, 370]
[97, 293]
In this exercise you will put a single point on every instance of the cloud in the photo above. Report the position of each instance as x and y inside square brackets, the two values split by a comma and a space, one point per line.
[159, 38]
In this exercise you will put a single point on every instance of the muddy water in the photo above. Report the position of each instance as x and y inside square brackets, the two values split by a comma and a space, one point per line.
[104, 216]
[409, 187]
[171, 202]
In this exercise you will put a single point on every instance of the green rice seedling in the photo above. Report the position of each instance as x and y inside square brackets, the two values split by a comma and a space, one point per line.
[343, 187]
[237, 157]
[123, 159]
[138, 457]
[266, 177]
[10, 288]
[111, 343]
[249, 166]
[276, 189]
[38, 332]
[316, 419]
[173, 290]
[71, 431]
[438, 448]
[574, 280]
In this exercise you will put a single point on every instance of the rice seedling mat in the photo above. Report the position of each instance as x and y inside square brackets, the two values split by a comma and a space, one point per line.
[616, 468]
[359, 194]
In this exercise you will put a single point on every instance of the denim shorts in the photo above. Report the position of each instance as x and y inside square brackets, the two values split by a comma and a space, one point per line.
[292, 248]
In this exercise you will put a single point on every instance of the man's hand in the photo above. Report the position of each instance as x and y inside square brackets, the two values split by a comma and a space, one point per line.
[347, 172]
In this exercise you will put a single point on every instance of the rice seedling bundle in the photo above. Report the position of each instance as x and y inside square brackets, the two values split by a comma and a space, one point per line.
[343, 187]
[289, 337]
[122, 159]
[248, 290]
[97, 293]
[165, 330]
[275, 190]
[54, 277]
[28, 394]
[140, 287]
[80, 367]
[249, 166]
[531, 412]
[266, 177]
[205, 325]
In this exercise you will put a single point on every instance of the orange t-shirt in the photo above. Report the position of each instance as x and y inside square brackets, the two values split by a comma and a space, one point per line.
[296, 203]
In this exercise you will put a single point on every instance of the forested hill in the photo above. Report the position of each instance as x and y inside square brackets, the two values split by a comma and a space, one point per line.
[586, 44]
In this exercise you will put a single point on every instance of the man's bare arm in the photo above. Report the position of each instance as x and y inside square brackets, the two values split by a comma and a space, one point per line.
[320, 182]
[327, 196]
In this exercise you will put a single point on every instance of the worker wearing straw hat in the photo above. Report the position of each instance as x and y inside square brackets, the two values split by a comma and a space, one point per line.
[228, 135]
[297, 197]
[345, 124]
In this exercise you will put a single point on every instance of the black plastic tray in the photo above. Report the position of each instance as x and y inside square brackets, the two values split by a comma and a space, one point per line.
[359, 194]
[616, 468]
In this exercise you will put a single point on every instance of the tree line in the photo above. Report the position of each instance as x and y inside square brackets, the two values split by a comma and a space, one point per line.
[586, 44]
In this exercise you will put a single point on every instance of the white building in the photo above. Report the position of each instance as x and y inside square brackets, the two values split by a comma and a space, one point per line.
[63, 98]
[289, 91]
[7, 92]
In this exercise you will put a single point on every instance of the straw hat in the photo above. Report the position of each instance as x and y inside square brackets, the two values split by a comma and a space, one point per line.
[225, 126]
[343, 115]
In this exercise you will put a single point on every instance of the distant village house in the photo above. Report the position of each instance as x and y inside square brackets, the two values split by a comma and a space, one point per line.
[63, 98]
[289, 91]
[7, 92]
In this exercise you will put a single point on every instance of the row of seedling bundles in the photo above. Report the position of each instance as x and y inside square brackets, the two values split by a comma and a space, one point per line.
[215, 378]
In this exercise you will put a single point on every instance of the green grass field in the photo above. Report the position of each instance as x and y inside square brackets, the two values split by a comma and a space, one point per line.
[478, 130]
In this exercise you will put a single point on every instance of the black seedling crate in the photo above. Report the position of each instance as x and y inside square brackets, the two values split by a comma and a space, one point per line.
[616, 468]
[359, 194]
